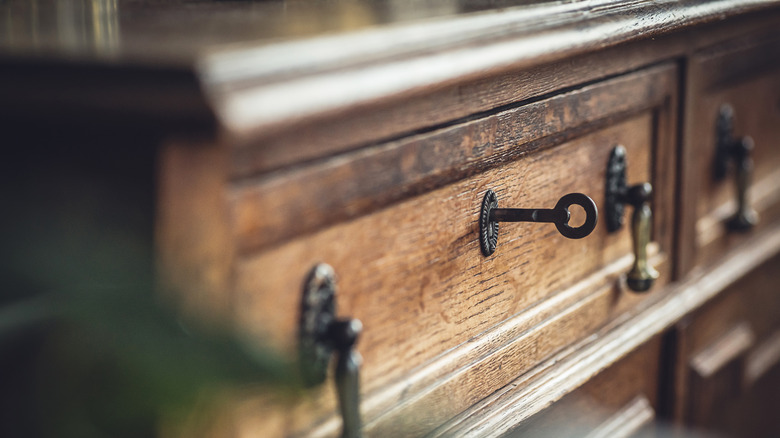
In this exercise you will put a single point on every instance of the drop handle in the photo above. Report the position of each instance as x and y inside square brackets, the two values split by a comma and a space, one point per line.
[320, 336]
[348, 376]
[642, 275]
[729, 149]
[490, 215]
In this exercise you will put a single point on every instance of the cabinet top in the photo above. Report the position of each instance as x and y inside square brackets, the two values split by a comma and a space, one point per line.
[180, 31]
[248, 66]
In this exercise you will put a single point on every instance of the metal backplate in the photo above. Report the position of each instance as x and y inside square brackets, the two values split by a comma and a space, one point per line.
[724, 127]
[615, 188]
[317, 314]
[488, 230]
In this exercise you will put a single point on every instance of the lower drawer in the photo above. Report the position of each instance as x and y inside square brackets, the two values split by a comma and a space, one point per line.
[729, 352]
[621, 401]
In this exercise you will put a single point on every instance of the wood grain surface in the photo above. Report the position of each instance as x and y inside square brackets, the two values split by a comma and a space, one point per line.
[216, 69]
[440, 105]
[411, 268]
[417, 268]
[370, 149]
[511, 39]
[415, 276]
[272, 208]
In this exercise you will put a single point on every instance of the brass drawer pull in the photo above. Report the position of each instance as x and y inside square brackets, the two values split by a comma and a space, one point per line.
[320, 335]
[490, 215]
[641, 276]
[728, 148]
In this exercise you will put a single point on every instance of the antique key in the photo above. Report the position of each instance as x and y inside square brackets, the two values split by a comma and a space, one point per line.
[491, 215]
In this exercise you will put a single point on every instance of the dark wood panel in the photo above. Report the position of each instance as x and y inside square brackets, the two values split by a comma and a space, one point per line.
[119, 97]
[728, 359]
[416, 267]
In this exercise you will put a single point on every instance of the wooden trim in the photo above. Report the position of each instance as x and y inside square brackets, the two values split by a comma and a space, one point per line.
[737, 60]
[725, 350]
[275, 147]
[626, 422]
[513, 350]
[327, 74]
[233, 89]
[762, 359]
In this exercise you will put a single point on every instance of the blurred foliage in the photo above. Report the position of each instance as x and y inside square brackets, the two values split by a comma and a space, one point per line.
[86, 347]
[110, 361]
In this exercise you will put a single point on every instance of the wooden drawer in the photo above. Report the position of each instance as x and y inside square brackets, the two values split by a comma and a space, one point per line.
[621, 401]
[445, 326]
[728, 373]
[744, 74]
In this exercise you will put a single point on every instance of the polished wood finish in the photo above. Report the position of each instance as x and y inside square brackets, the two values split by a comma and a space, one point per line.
[364, 135]
[351, 185]
[407, 279]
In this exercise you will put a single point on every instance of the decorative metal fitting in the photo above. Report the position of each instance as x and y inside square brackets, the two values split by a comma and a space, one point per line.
[490, 215]
[320, 335]
[737, 150]
[642, 276]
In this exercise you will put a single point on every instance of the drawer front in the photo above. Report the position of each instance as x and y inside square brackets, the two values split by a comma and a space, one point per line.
[620, 402]
[748, 80]
[444, 326]
[729, 354]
